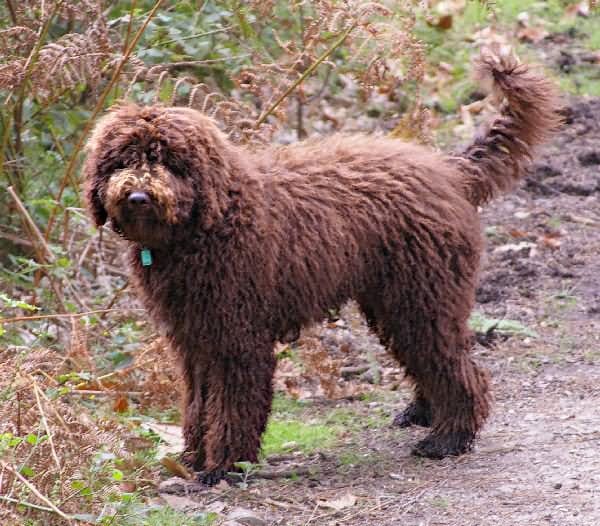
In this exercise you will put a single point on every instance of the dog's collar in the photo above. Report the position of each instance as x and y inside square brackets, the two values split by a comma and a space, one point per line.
[146, 257]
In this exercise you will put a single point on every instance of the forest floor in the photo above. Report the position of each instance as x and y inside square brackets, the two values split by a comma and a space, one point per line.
[536, 461]
[331, 456]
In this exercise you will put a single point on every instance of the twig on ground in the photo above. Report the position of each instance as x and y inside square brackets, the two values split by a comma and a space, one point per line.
[15, 239]
[38, 241]
[65, 315]
[312, 514]
[58, 416]
[104, 393]
[84, 254]
[35, 491]
[36, 390]
[299, 471]
[284, 505]
[135, 365]
[25, 503]
[347, 372]
[115, 297]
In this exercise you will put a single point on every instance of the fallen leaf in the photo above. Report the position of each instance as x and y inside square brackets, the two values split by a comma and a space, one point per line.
[579, 9]
[127, 486]
[517, 233]
[532, 34]
[171, 436]
[176, 468]
[280, 347]
[481, 324]
[551, 242]
[522, 214]
[448, 7]
[514, 247]
[121, 404]
[246, 517]
[181, 503]
[216, 506]
[345, 501]
[581, 219]
[179, 486]
[442, 22]
[222, 485]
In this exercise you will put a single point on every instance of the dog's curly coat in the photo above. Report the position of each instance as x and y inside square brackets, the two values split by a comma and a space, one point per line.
[248, 247]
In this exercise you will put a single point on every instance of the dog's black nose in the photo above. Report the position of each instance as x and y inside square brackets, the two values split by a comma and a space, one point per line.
[138, 198]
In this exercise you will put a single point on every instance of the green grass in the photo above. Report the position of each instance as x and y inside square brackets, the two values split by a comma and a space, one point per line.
[286, 407]
[290, 423]
[593, 40]
[307, 437]
[482, 324]
[351, 458]
[163, 516]
[353, 421]
[583, 81]
[548, 10]
[440, 502]
[563, 301]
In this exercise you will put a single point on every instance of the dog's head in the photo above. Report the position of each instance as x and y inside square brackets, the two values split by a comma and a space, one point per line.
[153, 170]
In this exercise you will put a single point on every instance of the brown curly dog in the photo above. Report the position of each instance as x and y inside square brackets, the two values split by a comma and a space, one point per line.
[232, 249]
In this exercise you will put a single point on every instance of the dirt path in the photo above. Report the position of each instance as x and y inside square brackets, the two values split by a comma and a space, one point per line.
[536, 462]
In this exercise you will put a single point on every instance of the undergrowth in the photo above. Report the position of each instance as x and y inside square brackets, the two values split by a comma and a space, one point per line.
[81, 366]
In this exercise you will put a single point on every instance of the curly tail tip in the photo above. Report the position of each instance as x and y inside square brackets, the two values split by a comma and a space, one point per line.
[530, 115]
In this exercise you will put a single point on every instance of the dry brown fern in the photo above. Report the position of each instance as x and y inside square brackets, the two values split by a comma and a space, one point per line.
[380, 50]
[53, 442]
[75, 59]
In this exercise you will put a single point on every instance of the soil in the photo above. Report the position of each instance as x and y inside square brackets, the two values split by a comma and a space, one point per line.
[536, 461]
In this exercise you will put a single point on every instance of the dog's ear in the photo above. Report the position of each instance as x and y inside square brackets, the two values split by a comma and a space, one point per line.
[92, 187]
[199, 151]
[94, 202]
[96, 166]
[99, 213]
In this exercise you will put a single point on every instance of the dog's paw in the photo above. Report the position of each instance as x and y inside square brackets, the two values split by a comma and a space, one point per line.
[447, 445]
[417, 413]
[191, 460]
[210, 478]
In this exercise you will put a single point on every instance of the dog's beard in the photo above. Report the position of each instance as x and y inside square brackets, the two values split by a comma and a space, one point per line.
[145, 228]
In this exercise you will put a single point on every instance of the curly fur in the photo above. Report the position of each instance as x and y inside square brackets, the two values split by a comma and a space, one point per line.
[248, 247]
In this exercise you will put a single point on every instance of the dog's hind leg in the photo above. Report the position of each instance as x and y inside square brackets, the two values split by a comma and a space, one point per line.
[240, 392]
[452, 393]
[460, 401]
[428, 335]
[418, 412]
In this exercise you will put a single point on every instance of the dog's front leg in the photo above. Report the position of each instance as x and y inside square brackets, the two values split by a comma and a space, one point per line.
[193, 412]
[240, 392]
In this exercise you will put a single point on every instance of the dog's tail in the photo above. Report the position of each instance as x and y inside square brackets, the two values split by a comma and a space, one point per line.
[529, 116]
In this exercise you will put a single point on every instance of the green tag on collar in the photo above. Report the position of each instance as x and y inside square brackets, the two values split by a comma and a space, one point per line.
[146, 257]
